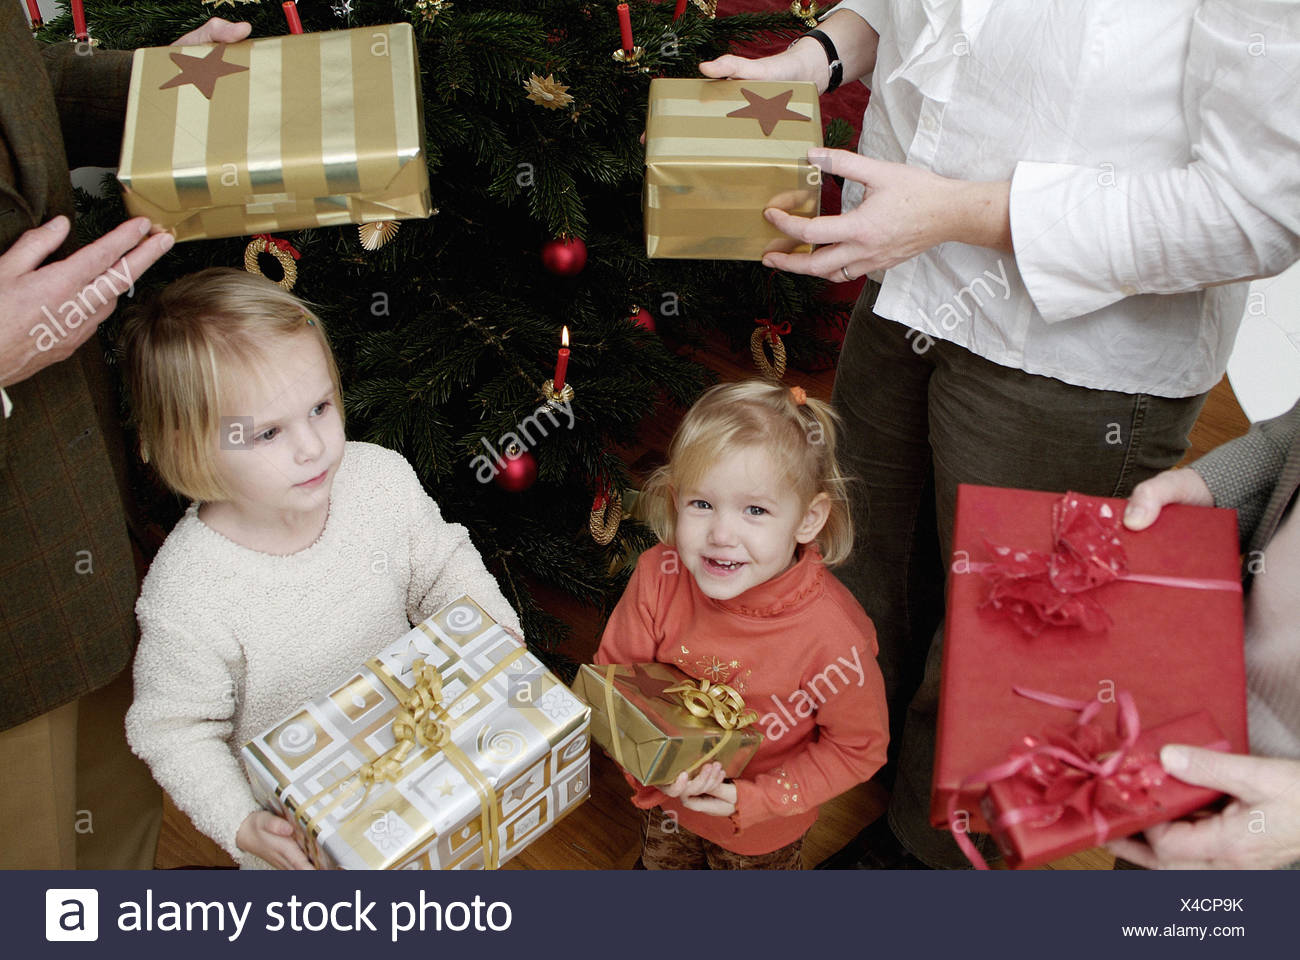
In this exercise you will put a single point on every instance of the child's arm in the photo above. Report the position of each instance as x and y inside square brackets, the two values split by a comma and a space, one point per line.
[444, 562]
[632, 636]
[853, 731]
[187, 681]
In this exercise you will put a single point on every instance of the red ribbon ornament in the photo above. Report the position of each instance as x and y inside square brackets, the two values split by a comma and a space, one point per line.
[1039, 590]
[774, 329]
[279, 244]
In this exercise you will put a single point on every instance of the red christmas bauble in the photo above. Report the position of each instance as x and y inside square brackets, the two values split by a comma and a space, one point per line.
[642, 318]
[564, 257]
[515, 474]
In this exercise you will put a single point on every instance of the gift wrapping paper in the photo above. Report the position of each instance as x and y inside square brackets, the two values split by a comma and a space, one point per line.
[514, 762]
[650, 733]
[276, 134]
[718, 152]
[1176, 650]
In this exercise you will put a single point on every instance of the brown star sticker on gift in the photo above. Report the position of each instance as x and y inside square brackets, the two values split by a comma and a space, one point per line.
[650, 687]
[768, 111]
[203, 72]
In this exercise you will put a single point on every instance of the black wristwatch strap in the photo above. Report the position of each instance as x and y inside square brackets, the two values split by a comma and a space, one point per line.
[832, 58]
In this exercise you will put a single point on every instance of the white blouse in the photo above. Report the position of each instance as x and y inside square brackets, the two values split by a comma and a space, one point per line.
[1153, 151]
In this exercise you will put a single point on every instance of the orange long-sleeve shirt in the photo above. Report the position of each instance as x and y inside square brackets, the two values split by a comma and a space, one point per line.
[801, 651]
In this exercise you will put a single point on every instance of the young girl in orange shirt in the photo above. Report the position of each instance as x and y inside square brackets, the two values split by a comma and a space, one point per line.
[751, 510]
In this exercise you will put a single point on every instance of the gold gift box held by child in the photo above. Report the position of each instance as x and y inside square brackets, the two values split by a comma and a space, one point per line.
[276, 134]
[719, 152]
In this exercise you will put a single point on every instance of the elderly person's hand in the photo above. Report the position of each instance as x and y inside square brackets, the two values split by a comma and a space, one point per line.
[1259, 829]
[906, 211]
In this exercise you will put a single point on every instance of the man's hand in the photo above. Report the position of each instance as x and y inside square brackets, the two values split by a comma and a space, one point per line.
[46, 313]
[1258, 830]
[1172, 486]
[907, 210]
[216, 30]
[265, 835]
[706, 792]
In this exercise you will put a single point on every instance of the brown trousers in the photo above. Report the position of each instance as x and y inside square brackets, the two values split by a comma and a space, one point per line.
[73, 795]
[667, 845]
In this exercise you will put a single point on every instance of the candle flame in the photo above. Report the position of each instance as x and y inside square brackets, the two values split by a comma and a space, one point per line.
[564, 337]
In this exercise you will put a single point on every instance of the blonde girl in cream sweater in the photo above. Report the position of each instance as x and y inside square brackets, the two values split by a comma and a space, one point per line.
[301, 556]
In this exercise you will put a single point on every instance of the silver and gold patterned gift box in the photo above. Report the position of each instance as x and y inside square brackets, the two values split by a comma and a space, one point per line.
[453, 749]
[276, 134]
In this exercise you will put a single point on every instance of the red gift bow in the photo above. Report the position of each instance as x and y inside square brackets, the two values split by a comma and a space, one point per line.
[773, 329]
[279, 244]
[1037, 590]
[1085, 769]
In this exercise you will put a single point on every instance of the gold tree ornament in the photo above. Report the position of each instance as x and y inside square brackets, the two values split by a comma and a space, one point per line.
[377, 233]
[282, 250]
[606, 515]
[547, 92]
[769, 333]
[429, 9]
[805, 10]
[709, 7]
[214, 4]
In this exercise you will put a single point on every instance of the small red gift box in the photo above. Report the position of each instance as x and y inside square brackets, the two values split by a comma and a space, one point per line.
[1051, 593]
[1046, 807]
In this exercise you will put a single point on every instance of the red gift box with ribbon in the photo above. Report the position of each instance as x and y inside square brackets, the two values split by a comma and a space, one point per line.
[1049, 592]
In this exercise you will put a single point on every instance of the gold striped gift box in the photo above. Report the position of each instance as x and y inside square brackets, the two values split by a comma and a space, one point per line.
[277, 133]
[718, 152]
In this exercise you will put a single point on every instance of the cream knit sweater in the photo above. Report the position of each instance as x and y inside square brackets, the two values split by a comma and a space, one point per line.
[233, 640]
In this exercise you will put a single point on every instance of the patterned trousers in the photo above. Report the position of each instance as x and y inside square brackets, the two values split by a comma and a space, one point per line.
[667, 845]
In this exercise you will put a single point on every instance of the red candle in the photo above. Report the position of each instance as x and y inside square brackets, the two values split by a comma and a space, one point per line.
[78, 20]
[679, 9]
[291, 14]
[34, 12]
[625, 26]
[561, 362]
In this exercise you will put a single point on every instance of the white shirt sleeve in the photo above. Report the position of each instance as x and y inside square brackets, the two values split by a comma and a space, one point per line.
[445, 563]
[186, 690]
[875, 12]
[1087, 237]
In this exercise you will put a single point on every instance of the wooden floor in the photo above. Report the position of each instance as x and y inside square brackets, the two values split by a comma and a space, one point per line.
[602, 833]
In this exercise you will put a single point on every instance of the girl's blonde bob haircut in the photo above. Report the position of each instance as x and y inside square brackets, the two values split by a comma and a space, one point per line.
[798, 436]
[183, 350]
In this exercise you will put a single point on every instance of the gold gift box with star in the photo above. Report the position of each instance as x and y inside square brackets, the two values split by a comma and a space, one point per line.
[656, 722]
[276, 134]
[718, 152]
[453, 749]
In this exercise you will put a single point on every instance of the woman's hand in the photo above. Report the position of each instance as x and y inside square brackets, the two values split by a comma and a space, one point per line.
[1172, 486]
[1258, 830]
[706, 792]
[906, 211]
[265, 835]
[805, 60]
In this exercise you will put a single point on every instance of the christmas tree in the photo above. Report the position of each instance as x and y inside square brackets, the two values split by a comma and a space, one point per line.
[446, 333]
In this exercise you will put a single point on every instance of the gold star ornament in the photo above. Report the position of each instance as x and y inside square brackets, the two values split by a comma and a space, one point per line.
[547, 92]
[768, 111]
[203, 72]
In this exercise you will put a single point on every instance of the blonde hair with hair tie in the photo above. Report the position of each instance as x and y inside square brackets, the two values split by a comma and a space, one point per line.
[798, 433]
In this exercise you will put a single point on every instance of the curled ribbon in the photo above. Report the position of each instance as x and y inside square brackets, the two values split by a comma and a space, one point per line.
[1085, 769]
[1039, 590]
[773, 329]
[716, 700]
[279, 244]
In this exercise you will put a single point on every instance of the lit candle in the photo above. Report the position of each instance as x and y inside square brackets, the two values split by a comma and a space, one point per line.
[34, 12]
[291, 14]
[679, 9]
[625, 26]
[79, 20]
[561, 362]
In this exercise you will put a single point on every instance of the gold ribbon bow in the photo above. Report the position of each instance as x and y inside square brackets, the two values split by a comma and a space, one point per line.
[419, 724]
[716, 700]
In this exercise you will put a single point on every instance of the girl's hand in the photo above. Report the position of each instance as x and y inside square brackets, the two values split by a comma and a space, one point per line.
[1172, 486]
[706, 792]
[265, 835]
